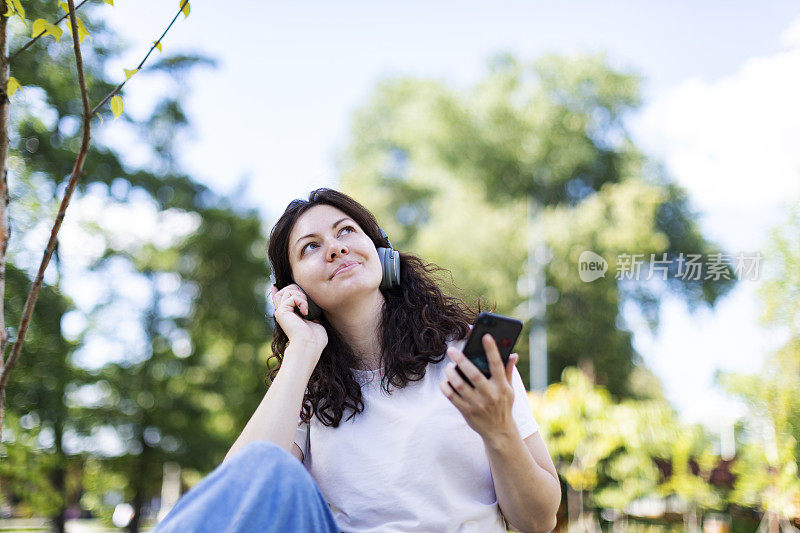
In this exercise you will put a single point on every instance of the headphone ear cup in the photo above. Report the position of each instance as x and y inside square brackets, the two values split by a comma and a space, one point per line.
[390, 265]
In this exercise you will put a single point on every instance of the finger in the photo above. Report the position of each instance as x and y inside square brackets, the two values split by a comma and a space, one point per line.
[301, 298]
[301, 304]
[493, 355]
[452, 395]
[272, 292]
[512, 361]
[467, 367]
[463, 388]
[290, 299]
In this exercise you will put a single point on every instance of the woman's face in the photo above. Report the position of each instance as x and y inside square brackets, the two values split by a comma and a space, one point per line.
[324, 239]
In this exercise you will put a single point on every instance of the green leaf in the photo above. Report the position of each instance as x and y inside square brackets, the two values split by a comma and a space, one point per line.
[54, 30]
[116, 106]
[12, 85]
[41, 26]
[38, 26]
[19, 9]
[82, 31]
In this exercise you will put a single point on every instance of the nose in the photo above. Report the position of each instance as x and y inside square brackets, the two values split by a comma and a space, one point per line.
[336, 247]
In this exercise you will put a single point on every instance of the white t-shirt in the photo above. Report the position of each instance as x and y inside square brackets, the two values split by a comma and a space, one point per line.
[409, 461]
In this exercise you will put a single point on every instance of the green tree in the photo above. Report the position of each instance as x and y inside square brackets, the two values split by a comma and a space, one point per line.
[607, 451]
[647, 430]
[576, 420]
[47, 393]
[449, 174]
[40, 413]
[693, 489]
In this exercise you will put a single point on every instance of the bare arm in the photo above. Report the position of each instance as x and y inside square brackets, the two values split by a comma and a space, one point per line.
[525, 480]
[275, 419]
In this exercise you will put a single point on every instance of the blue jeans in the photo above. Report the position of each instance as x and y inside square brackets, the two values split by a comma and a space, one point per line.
[262, 488]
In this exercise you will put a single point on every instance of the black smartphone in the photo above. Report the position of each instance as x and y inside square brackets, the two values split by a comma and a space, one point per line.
[505, 331]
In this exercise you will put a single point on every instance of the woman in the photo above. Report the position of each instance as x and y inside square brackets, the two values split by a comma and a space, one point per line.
[393, 437]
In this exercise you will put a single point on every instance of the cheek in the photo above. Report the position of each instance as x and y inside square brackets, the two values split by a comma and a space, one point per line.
[300, 272]
[377, 270]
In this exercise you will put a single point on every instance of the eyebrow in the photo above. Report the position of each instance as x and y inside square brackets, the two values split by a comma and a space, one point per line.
[315, 235]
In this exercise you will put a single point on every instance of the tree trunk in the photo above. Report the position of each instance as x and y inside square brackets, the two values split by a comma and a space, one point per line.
[774, 524]
[138, 501]
[59, 520]
[573, 511]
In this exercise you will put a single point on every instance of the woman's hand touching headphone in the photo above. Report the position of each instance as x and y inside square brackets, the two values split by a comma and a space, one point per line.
[310, 334]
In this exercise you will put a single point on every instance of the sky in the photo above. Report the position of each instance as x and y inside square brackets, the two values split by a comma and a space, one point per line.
[720, 111]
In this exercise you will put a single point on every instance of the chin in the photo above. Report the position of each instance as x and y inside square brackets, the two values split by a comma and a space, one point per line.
[357, 283]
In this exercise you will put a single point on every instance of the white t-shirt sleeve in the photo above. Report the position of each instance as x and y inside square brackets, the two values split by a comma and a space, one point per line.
[301, 437]
[521, 410]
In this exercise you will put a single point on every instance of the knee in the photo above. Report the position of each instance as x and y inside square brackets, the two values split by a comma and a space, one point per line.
[270, 469]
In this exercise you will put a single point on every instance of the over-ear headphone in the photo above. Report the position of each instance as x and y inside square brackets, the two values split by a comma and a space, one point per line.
[390, 265]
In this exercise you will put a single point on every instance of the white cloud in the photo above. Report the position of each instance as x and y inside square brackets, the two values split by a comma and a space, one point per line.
[733, 142]
[791, 36]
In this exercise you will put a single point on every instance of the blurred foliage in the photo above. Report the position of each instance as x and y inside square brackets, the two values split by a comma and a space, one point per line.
[767, 465]
[448, 173]
[25, 472]
[611, 450]
[178, 325]
[36, 411]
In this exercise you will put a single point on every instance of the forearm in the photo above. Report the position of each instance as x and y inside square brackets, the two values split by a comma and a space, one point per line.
[528, 494]
[275, 419]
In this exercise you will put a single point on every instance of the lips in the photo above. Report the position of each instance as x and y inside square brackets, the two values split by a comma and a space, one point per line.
[343, 266]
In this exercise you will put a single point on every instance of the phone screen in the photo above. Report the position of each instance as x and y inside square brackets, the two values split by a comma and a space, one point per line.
[503, 329]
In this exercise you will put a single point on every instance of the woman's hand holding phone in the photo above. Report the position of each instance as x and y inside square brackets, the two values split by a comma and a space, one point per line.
[301, 332]
[484, 402]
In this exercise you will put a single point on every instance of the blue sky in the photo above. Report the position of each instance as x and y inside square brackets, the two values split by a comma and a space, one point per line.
[720, 111]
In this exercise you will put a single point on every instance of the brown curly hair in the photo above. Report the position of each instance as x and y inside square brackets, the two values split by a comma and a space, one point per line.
[417, 318]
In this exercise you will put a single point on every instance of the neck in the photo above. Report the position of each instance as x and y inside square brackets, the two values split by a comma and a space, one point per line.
[358, 322]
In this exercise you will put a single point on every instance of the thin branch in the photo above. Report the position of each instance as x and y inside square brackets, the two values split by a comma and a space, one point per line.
[7, 366]
[33, 295]
[5, 227]
[29, 43]
[119, 87]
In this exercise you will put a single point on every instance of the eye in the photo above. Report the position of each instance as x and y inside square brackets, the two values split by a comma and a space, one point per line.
[302, 251]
